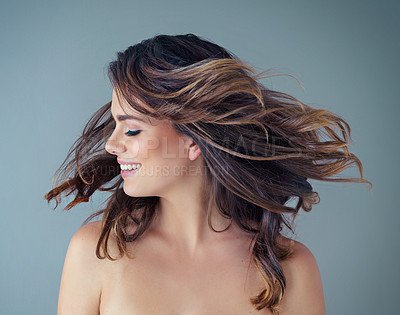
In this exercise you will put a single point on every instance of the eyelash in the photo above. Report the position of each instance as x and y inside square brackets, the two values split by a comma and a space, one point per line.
[130, 133]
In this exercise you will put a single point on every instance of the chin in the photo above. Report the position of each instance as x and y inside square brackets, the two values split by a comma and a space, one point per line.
[130, 190]
[133, 190]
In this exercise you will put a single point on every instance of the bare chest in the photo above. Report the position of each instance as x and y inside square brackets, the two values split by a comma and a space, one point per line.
[155, 283]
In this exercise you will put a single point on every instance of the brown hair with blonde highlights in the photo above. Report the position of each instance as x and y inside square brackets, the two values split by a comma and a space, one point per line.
[259, 146]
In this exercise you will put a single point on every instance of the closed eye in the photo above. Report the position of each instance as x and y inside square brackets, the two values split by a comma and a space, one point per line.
[132, 132]
[129, 133]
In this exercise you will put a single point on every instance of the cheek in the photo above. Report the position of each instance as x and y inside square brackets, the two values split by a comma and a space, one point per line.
[169, 148]
[134, 148]
[172, 150]
[168, 158]
[143, 149]
[176, 158]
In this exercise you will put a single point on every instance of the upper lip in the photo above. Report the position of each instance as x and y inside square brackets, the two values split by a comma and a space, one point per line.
[126, 162]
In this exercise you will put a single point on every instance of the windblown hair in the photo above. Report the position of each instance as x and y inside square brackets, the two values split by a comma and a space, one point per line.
[260, 147]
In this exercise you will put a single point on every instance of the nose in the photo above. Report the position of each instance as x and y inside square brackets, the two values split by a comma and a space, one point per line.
[114, 146]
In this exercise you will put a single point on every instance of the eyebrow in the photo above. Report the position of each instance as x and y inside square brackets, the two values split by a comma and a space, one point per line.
[129, 117]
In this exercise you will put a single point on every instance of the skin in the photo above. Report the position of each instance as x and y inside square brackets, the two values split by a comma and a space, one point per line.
[180, 265]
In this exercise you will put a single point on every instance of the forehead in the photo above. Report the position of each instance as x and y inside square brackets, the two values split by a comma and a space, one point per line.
[120, 107]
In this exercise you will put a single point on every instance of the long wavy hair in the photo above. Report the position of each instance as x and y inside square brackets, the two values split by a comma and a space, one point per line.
[260, 147]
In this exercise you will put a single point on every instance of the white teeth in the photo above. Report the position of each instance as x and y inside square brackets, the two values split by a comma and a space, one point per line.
[128, 167]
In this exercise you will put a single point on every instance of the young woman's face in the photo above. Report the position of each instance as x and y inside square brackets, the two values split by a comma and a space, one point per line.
[160, 152]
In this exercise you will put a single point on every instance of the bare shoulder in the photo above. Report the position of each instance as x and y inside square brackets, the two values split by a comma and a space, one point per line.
[81, 280]
[82, 246]
[86, 238]
[304, 291]
[88, 233]
[301, 253]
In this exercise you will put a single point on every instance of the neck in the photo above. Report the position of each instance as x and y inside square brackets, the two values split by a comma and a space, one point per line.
[182, 217]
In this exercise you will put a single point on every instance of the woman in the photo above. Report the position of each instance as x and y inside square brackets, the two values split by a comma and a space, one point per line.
[209, 159]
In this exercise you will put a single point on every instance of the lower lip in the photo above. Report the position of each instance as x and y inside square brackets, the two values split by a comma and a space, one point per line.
[128, 173]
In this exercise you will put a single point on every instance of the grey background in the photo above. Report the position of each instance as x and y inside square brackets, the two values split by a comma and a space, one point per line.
[54, 57]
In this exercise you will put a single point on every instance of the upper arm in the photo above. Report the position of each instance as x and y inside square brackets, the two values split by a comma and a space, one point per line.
[304, 292]
[80, 287]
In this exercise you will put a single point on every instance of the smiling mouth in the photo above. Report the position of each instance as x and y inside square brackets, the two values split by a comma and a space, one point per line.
[129, 167]
[128, 170]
